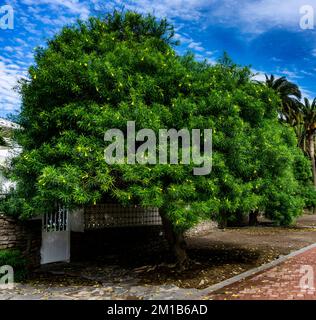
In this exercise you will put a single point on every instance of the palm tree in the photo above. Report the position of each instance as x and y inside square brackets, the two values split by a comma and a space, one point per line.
[308, 129]
[289, 94]
[300, 115]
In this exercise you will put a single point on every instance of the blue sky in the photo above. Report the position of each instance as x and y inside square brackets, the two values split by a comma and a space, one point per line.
[265, 34]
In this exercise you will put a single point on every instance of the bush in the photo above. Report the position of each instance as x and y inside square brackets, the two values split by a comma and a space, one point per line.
[14, 259]
[310, 196]
[303, 174]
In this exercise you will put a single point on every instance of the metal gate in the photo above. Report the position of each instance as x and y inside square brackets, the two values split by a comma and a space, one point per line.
[55, 236]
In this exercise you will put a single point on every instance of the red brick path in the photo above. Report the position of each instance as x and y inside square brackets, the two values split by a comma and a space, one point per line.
[282, 282]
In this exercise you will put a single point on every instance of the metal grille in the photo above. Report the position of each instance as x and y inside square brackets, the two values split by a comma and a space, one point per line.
[56, 220]
[113, 215]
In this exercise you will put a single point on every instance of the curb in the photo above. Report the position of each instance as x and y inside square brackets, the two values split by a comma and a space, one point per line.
[253, 271]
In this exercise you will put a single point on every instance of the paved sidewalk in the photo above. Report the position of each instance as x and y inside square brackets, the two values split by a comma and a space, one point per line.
[98, 292]
[281, 279]
[285, 281]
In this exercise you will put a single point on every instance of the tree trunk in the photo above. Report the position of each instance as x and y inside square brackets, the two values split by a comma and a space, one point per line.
[223, 222]
[311, 146]
[176, 241]
[253, 218]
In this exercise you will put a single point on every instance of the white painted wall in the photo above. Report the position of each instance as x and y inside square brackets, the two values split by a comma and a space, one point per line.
[6, 153]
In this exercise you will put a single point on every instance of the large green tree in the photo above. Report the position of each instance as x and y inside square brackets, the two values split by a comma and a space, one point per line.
[98, 75]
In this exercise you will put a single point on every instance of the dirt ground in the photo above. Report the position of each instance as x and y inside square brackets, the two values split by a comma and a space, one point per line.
[216, 255]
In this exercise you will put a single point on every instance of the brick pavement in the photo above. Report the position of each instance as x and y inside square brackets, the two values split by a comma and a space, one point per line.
[295, 278]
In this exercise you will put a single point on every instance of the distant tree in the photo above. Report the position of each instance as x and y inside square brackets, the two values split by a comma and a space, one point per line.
[306, 123]
[288, 92]
[301, 116]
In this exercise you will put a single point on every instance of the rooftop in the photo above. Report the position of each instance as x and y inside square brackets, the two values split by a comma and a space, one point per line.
[8, 124]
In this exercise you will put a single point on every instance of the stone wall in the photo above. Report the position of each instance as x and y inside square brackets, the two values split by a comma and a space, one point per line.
[24, 236]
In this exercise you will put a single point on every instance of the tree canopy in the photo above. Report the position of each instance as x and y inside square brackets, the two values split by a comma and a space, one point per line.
[97, 75]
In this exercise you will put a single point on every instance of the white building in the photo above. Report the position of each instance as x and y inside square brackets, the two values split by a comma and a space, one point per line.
[6, 153]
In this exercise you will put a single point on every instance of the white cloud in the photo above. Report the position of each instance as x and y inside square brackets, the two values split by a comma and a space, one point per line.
[250, 16]
[256, 17]
[9, 74]
[291, 75]
[259, 75]
[196, 46]
[8, 48]
[307, 93]
[278, 72]
[72, 6]
[183, 38]
[191, 10]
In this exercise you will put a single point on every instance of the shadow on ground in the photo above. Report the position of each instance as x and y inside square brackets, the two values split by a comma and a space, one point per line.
[215, 256]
